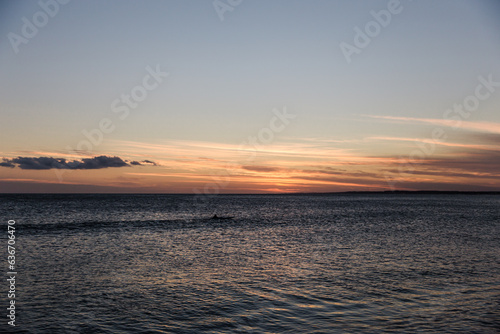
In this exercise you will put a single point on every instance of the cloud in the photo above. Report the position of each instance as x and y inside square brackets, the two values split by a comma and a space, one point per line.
[264, 169]
[143, 162]
[482, 136]
[7, 163]
[39, 163]
[464, 161]
[469, 161]
[466, 125]
[42, 163]
[492, 138]
[149, 162]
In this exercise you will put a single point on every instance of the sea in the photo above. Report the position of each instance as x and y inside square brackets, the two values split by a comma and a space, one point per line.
[296, 263]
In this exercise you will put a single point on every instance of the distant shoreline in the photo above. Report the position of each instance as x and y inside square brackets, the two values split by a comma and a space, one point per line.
[408, 192]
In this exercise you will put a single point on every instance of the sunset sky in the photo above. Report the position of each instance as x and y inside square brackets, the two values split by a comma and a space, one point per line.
[249, 96]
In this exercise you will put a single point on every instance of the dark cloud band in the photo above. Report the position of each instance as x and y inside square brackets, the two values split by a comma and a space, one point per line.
[41, 163]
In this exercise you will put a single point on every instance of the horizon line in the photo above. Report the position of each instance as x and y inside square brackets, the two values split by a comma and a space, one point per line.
[479, 192]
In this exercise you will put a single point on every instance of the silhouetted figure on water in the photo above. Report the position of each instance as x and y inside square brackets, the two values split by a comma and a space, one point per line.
[217, 217]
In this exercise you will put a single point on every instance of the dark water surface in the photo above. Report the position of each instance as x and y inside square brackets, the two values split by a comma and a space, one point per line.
[284, 264]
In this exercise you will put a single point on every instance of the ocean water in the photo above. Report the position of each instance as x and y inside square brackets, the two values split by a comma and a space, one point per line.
[351, 263]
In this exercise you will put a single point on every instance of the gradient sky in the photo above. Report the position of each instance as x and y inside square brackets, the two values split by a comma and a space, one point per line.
[378, 122]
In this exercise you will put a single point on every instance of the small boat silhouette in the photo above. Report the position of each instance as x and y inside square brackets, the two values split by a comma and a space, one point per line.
[221, 218]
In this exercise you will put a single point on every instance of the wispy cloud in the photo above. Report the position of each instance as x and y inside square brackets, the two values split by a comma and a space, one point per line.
[442, 143]
[466, 125]
[264, 169]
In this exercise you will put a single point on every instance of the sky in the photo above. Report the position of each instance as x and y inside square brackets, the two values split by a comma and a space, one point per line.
[249, 96]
